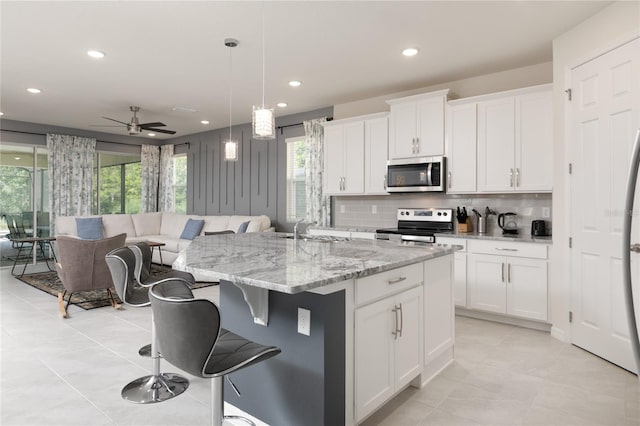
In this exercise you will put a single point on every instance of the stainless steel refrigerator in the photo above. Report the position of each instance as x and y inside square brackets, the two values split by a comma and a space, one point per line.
[627, 248]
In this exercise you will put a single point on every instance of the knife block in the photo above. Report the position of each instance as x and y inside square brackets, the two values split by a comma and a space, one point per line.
[466, 227]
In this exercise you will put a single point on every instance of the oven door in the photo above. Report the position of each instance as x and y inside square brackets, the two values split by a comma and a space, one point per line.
[423, 174]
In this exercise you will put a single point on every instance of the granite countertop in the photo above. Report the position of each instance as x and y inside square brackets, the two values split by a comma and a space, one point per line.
[497, 236]
[274, 261]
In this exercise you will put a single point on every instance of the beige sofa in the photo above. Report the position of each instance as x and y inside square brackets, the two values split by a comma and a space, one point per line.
[163, 227]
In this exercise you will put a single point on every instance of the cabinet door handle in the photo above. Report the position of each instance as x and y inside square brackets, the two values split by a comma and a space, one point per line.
[401, 322]
[417, 145]
[502, 269]
[508, 272]
[449, 180]
[506, 249]
[517, 176]
[511, 178]
[395, 325]
[344, 183]
[396, 280]
[384, 182]
[413, 145]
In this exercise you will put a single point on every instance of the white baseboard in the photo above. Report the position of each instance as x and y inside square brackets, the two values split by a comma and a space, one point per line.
[504, 319]
[559, 334]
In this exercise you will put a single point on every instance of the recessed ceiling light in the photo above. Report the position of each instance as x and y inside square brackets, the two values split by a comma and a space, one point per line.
[95, 54]
[1, 113]
[282, 104]
[33, 90]
[151, 134]
[411, 51]
[16, 158]
[295, 83]
[204, 122]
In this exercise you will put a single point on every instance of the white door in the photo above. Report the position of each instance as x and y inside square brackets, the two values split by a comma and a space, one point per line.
[534, 142]
[461, 149]
[376, 140]
[496, 145]
[353, 160]
[430, 129]
[605, 115]
[374, 355]
[409, 341]
[333, 159]
[402, 130]
[527, 288]
[487, 283]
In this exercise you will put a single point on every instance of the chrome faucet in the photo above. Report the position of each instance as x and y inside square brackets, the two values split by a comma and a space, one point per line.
[295, 227]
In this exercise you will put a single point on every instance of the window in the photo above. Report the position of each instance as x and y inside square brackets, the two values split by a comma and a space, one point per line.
[180, 183]
[296, 188]
[117, 188]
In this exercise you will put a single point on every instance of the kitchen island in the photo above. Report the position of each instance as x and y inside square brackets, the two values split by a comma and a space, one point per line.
[357, 320]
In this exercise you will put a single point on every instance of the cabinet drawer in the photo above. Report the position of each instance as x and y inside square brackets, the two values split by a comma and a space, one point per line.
[387, 283]
[454, 242]
[508, 248]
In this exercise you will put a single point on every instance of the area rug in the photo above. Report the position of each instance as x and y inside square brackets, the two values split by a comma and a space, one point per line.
[50, 283]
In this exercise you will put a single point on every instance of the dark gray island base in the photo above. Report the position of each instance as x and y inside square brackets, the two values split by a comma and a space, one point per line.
[381, 319]
[304, 384]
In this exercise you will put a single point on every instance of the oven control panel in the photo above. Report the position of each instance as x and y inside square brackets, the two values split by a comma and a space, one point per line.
[426, 215]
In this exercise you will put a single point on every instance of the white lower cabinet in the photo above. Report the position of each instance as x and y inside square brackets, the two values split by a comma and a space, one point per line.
[460, 269]
[514, 284]
[388, 342]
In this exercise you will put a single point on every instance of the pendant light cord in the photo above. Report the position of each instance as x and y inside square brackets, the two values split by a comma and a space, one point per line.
[263, 55]
[230, 88]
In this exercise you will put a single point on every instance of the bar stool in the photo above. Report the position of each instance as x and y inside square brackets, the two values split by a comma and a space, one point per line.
[143, 276]
[191, 338]
[156, 387]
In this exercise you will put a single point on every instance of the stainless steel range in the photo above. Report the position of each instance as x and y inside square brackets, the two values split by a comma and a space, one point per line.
[419, 225]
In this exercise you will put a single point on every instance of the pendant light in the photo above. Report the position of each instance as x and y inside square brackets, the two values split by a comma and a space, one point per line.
[263, 117]
[230, 146]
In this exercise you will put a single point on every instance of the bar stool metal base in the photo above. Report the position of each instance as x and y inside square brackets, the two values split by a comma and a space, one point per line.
[150, 389]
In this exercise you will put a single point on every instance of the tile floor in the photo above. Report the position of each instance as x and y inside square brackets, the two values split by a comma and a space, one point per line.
[56, 371]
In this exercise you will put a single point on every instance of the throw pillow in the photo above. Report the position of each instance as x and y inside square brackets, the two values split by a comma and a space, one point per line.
[192, 229]
[243, 227]
[89, 228]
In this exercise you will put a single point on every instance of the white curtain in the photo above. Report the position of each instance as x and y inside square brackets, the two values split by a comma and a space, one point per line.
[150, 165]
[70, 163]
[318, 205]
[165, 191]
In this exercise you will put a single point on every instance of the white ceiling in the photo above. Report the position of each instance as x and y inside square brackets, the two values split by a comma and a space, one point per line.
[163, 54]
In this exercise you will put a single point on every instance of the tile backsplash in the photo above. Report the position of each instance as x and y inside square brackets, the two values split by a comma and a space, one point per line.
[380, 211]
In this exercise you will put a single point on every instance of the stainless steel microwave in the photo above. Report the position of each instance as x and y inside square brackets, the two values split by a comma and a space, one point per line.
[421, 174]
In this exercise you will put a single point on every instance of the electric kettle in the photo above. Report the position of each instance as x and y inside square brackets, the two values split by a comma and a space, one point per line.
[509, 227]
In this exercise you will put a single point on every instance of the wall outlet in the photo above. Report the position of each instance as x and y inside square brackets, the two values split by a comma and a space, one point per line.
[304, 321]
[546, 212]
[374, 209]
[341, 208]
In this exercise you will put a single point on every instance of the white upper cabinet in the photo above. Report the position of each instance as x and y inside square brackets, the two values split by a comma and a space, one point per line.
[376, 144]
[416, 125]
[461, 147]
[534, 141]
[355, 155]
[515, 141]
[344, 158]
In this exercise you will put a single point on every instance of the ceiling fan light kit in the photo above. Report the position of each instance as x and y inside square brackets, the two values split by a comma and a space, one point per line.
[263, 117]
[230, 146]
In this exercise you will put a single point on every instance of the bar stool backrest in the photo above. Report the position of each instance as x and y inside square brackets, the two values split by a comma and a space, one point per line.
[121, 263]
[187, 330]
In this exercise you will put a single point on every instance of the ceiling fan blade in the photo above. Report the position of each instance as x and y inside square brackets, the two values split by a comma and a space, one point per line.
[117, 121]
[147, 125]
[105, 125]
[169, 132]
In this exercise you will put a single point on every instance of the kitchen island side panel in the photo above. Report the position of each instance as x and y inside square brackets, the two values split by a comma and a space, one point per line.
[305, 383]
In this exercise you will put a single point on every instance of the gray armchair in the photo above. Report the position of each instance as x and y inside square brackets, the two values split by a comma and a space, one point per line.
[81, 266]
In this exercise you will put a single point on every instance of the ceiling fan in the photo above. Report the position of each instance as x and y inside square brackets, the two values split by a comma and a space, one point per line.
[135, 127]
